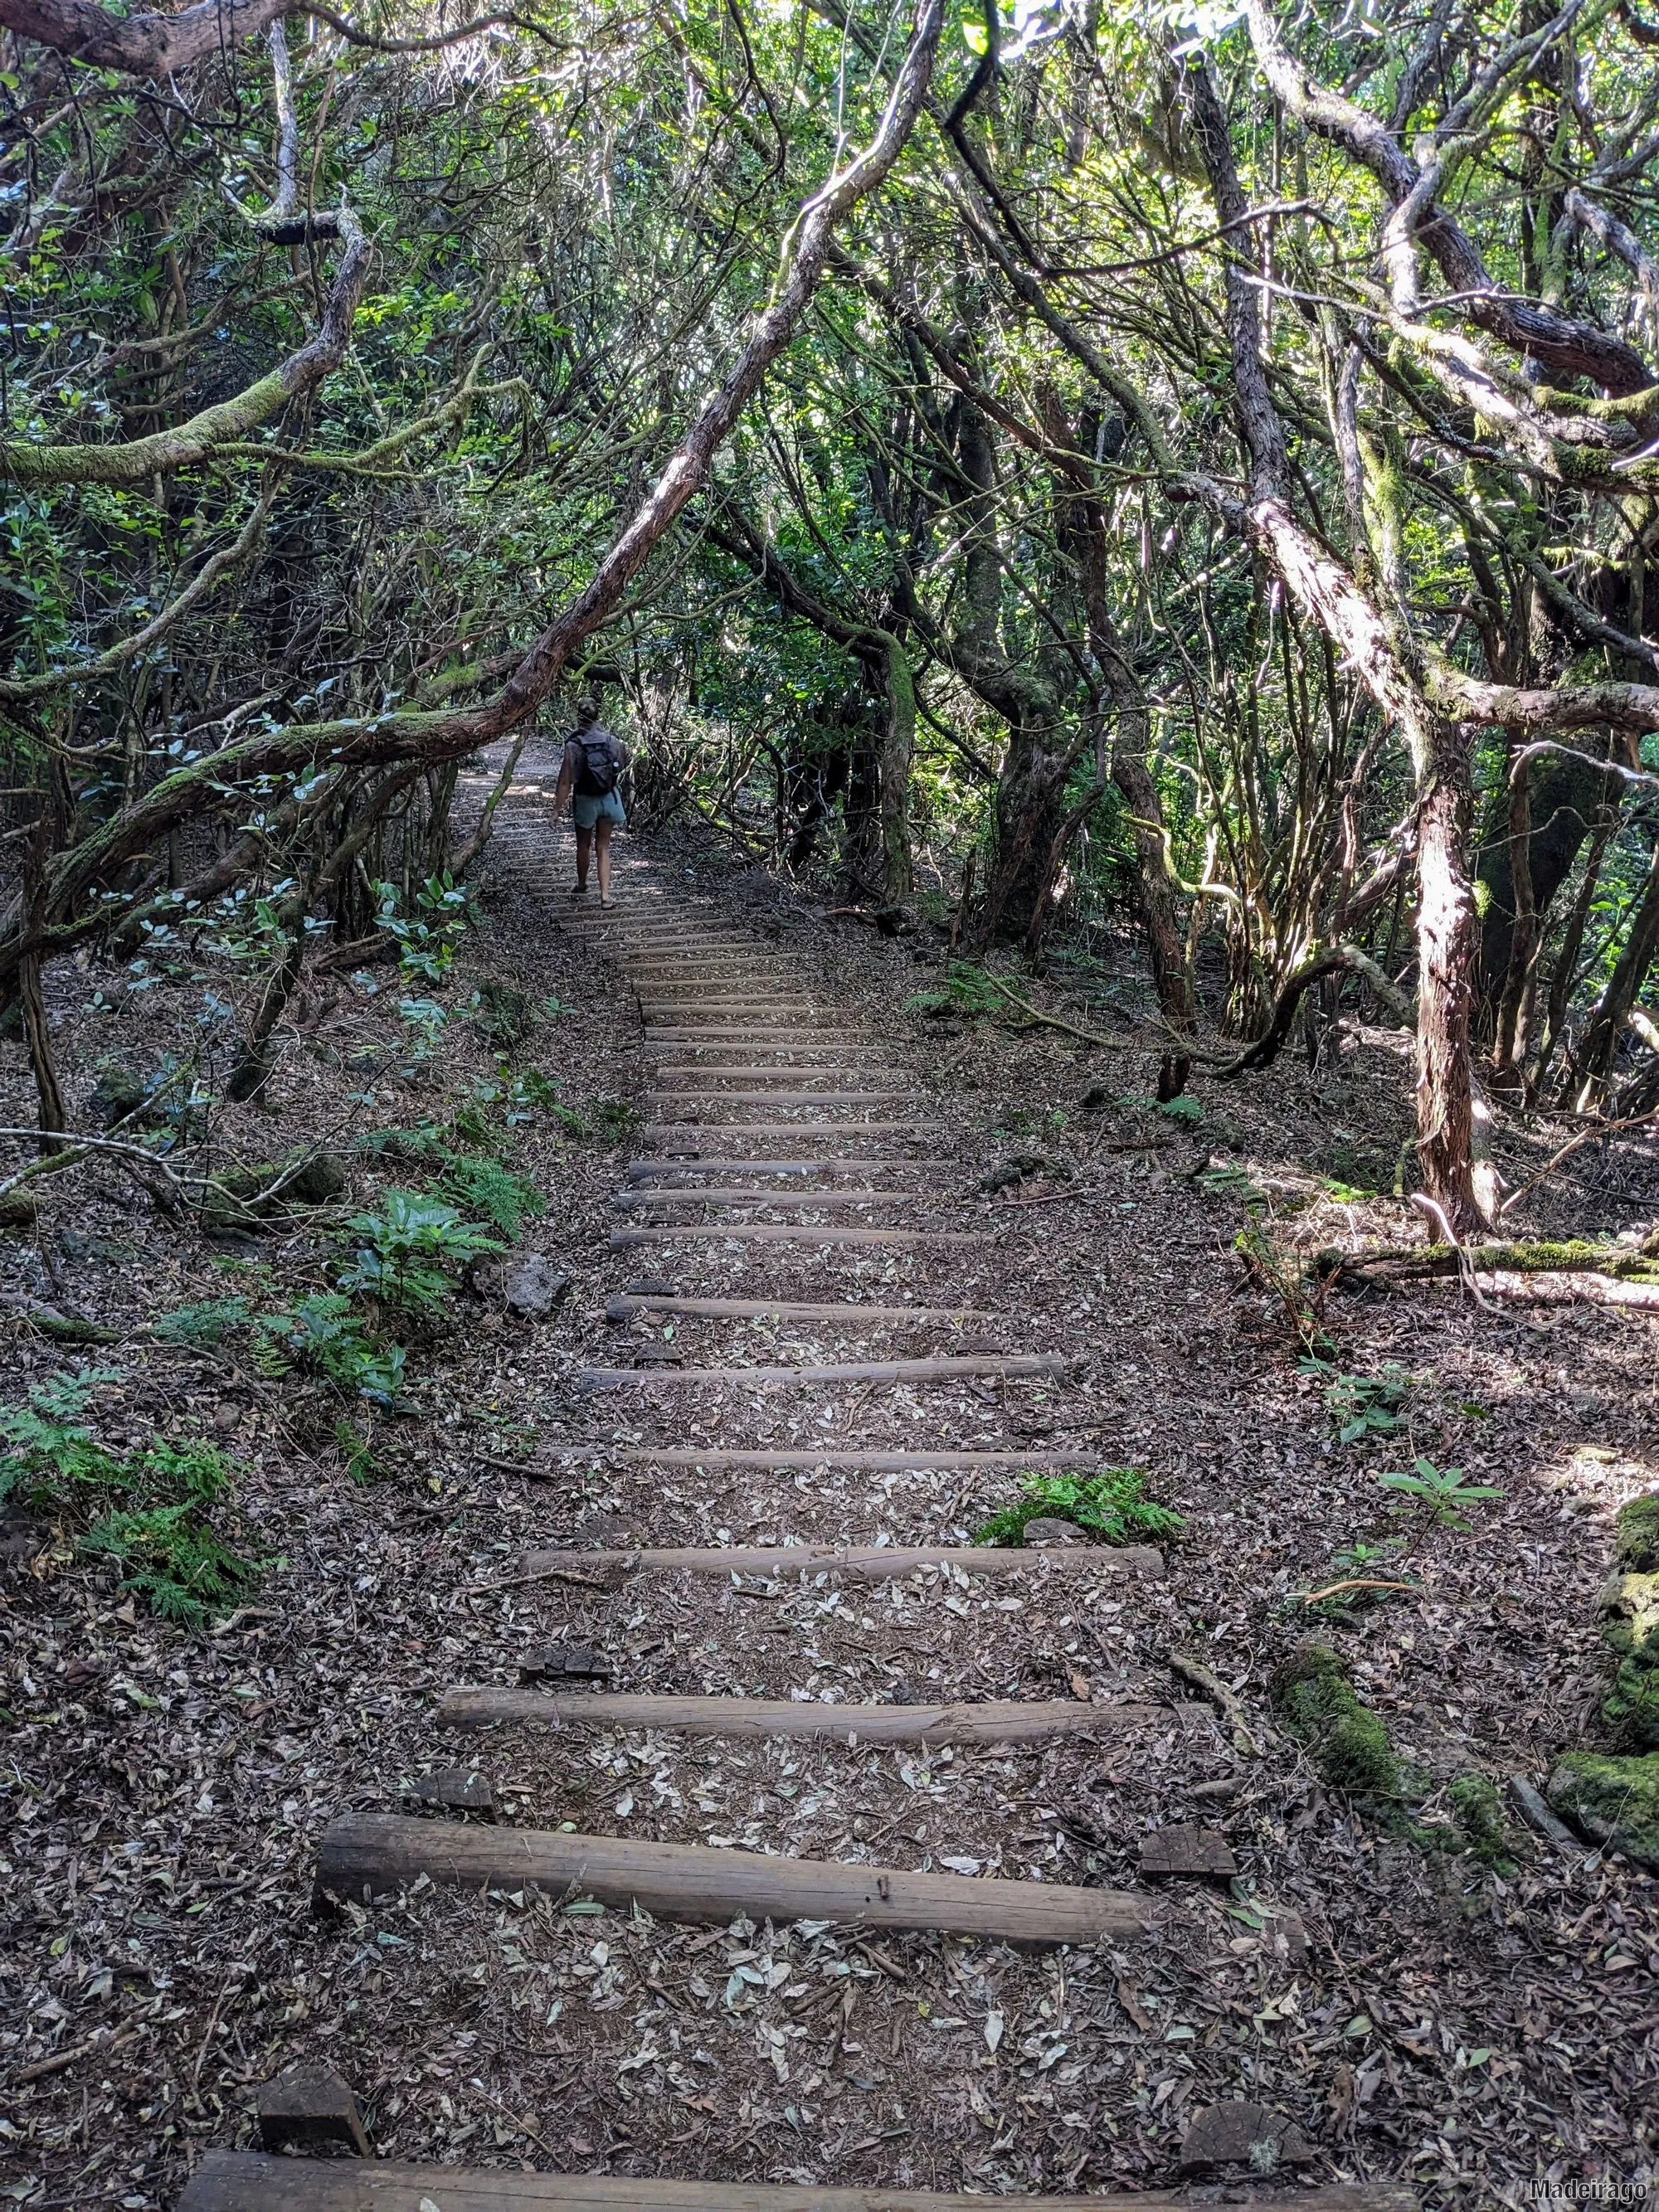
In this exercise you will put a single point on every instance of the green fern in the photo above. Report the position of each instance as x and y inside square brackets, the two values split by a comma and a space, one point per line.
[1110, 1506]
[483, 1187]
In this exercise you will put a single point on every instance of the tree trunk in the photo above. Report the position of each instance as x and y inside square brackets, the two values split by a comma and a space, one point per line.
[52, 1118]
[1447, 940]
[898, 745]
[1030, 802]
[1566, 798]
[1509, 1045]
[1172, 977]
[1605, 1026]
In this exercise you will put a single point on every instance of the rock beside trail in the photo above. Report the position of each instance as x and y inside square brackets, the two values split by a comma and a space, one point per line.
[1630, 1627]
[234, 1200]
[1048, 1530]
[526, 1282]
[1614, 1802]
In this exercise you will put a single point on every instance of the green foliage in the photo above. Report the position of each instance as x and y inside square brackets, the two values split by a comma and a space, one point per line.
[322, 1335]
[483, 1186]
[149, 1511]
[964, 989]
[1346, 1741]
[1283, 1274]
[1110, 1506]
[426, 939]
[361, 1466]
[205, 1322]
[1362, 1404]
[1185, 1108]
[409, 1251]
[1444, 1490]
[48, 1447]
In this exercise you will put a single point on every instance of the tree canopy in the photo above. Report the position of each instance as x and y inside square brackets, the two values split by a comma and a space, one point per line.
[1189, 455]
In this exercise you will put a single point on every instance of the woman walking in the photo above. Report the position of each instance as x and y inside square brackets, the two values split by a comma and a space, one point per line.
[592, 769]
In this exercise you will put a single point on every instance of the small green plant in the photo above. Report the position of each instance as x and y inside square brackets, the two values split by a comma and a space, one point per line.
[149, 1511]
[1111, 1506]
[963, 989]
[613, 1118]
[323, 1334]
[553, 1005]
[1230, 1181]
[360, 1463]
[48, 1447]
[206, 1322]
[1301, 1298]
[1362, 1404]
[484, 1187]
[1444, 1490]
[425, 940]
[409, 1252]
[1186, 1108]
[426, 1022]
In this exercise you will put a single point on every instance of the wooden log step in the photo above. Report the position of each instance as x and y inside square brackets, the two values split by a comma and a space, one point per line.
[250, 2181]
[654, 1045]
[689, 1131]
[363, 1856]
[627, 1198]
[1009, 1366]
[740, 1032]
[948, 1458]
[999, 1721]
[706, 1071]
[660, 1170]
[787, 1232]
[749, 1096]
[637, 1302]
[869, 1563]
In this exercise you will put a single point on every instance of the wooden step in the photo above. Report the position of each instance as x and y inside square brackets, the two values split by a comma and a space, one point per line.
[947, 1458]
[868, 1563]
[252, 2181]
[1008, 1367]
[363, 1856]
[852, 1317]
[1002, 1721]
[706, 1050]
[735, 1034]
[708, 1071]
[659, 1170]
[688, 1130]
[626, 1200]
[788, 1232]
[748, 1095]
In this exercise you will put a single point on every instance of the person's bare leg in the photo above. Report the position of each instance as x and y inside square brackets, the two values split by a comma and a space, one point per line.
[602, 838]
[584, 846]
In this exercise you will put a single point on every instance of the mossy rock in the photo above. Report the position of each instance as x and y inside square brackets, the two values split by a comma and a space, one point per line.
[504, 1013]
[1629, 1616]
[1482, 1829]
[1631, 1708]
[1637, 1535]
[1613, 1802]
[233, 1200]
[119, 1091]
[1348, 1743]
[17, 1209]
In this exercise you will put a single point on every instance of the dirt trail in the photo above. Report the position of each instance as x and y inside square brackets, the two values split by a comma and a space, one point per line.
[810, 1986]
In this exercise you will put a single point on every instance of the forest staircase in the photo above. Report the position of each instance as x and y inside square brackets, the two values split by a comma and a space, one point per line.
[763, 1112]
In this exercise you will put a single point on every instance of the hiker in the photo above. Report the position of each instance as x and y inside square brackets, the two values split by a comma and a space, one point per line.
[593, 765]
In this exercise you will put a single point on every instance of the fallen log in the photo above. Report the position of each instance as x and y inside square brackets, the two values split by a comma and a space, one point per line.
[996, 1721]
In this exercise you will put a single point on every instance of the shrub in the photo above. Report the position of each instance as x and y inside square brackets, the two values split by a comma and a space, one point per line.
[1109, 1506]
[411, 1250]
[208, 1321]
[324, 1334]
[150, 1512]
[485, 1187]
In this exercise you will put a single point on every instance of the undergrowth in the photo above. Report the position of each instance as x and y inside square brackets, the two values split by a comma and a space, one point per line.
[149, 1512]
[1110, 1505]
